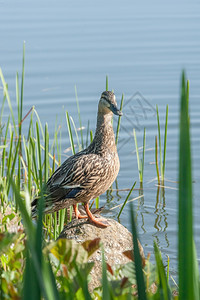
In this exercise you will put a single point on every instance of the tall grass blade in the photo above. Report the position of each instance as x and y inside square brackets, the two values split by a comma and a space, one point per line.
[19, 128]
[12, 170]
[91, 136]
[168, 269]
[162, 162]
[80, 147]
[128, 196]
[156, 159]
[38, 237]
[106, 291]
[2, 109]
[159, 140]
[39, 122]
[185, 221]
[137, 154]
[163, 288]
[20, 112]
[4, 149]
[50, 282]
[138, 261]
[28, 152]
[55, 226]
[106, 82]
[46, 154]
[165, 141]
[39, 154]
[143, 152]
[30, 129]
[61, 222]
[34, 169]
[9, 159]
[82, 280]
[70, 133]
[29, 290]
[140, 162]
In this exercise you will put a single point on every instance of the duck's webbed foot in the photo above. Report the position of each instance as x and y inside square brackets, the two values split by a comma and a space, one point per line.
[97, 221]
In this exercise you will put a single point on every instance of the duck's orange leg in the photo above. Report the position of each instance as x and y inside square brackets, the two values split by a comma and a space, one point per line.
[93, 219]
[78, 214]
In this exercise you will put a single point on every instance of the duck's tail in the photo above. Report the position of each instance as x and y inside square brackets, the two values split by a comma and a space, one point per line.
[35, 204]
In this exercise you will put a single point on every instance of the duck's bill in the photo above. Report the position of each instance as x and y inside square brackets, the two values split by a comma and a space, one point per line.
[115, 110]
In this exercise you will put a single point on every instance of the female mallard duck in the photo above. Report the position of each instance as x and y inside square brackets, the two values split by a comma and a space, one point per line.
[89, 173]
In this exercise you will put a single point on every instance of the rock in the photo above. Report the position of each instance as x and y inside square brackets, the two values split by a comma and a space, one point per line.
[115, 238]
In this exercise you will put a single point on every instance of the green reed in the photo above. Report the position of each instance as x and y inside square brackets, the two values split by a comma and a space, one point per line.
[138, 261]
[27, 160]
[156, 159]
[140, 162]
[80, 145]
[125, 201]
[188, 266]
[70, 133]
[106, 82]
[19, 98]
[1, 115]
[162, 161]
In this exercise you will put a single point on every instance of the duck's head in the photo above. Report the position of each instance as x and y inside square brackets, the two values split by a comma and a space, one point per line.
[108, 104]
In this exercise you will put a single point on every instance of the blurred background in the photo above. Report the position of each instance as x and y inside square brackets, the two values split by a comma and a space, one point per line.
[143, 48]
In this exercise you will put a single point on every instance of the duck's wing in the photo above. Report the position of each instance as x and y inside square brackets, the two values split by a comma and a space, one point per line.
[74, 179]
[76, 174]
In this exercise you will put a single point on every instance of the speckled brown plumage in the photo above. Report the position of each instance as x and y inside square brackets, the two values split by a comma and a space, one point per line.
[89, 173]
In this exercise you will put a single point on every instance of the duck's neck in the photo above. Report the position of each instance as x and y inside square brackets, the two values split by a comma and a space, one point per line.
[104, 136]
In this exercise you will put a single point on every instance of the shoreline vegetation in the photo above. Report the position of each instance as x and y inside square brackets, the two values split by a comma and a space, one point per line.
[33, 265]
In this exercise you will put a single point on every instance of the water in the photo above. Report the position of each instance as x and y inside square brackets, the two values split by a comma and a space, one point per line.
[142, 47]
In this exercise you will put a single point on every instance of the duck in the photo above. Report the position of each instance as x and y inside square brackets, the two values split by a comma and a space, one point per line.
[90, 172]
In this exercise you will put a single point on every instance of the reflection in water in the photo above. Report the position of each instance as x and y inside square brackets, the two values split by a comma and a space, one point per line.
[161, 215]
[111, 198]
[109, 195]
[117, 190]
